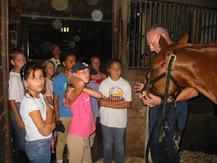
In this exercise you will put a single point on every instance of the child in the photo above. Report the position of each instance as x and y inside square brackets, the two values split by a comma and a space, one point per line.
[16, 93]
[95, 63]
[37, 115]
[62, 113]
[82, 125]
[49, 70]
[55, 51]
[114, 111]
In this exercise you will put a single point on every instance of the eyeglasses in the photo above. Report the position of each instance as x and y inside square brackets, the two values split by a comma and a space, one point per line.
[153, 43]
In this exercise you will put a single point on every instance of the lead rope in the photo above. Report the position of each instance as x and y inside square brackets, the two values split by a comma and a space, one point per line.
[164, 126]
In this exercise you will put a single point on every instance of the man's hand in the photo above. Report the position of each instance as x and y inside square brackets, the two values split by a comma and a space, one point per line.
[151, 100]
[139, 86]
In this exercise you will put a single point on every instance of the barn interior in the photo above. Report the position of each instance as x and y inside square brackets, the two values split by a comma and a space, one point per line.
[109, 29]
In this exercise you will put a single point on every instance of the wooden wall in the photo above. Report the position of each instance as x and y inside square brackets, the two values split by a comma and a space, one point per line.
[5, 141]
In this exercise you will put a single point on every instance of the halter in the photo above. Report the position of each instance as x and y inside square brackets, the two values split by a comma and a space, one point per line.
[166, 74]
[164, 126]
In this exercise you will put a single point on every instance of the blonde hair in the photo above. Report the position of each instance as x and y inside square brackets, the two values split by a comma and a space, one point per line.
[45, 64]
[15, 53]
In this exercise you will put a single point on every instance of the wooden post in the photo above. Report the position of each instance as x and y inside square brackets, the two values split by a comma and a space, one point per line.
[194, 27]
[4, 66]
[116, 15]
[124, 11]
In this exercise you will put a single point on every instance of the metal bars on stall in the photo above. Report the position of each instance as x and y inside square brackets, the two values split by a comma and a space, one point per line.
[200, 23]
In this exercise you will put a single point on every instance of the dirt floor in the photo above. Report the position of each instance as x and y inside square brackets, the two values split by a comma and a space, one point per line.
[185, 157]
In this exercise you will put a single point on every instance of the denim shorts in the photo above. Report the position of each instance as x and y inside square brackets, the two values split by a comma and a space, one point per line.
[39, 151]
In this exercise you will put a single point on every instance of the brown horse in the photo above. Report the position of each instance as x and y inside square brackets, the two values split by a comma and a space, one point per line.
[194, 66]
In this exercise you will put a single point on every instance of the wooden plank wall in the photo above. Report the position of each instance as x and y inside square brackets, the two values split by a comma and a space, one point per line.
[5, 151]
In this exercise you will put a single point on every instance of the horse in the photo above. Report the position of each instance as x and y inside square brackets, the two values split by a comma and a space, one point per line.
[194, 65]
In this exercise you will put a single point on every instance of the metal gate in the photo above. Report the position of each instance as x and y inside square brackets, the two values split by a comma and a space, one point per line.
[5, 154]
[200, 23]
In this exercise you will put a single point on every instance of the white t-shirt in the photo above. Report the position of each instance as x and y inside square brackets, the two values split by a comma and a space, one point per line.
[28, 105]
[116, 90]
[56, 62]
[16, 89]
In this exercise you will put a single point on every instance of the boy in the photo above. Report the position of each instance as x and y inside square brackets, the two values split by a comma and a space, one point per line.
[16, 94]
[62, 113]
[55, 51]
[113, 110]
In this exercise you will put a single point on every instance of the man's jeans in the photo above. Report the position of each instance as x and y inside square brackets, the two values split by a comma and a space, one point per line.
[39, 151]
[113, 135]
[165, 151]
[18, 135]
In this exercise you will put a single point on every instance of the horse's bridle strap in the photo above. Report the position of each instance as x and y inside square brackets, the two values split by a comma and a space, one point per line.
[168, 73]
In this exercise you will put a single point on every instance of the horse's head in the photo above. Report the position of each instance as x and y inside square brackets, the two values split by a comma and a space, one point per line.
[159, 71]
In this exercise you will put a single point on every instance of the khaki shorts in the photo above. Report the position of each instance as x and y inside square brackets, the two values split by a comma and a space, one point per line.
[79, 148]
[62, 138]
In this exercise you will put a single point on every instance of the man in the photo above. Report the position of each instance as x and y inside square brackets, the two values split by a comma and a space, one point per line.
[165, 151]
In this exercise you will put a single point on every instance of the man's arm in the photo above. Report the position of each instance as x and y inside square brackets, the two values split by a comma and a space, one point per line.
[120, 104]
[185, 94]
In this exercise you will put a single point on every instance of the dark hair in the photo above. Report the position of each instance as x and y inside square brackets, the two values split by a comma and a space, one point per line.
[54, 45]
[64, 57]
[14, 54]
[94, 57]
[60, 69]
[27, 68]
[114, 61]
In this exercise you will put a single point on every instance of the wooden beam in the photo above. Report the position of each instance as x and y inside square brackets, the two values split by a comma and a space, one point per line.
[116, 16]
[125, 4]
[4, 52]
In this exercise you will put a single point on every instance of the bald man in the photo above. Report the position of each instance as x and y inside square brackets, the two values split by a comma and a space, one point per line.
[165, 151]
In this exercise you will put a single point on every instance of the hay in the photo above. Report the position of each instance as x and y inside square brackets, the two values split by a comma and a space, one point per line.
[185, 157]
[197, 157]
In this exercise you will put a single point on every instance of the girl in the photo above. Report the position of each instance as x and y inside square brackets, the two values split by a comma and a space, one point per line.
[95, 63]
[36, 115]
[49, 71]
[82, 125]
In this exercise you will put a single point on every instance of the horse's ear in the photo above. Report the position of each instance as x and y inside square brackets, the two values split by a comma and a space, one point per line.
[163, 43]
[184, 39]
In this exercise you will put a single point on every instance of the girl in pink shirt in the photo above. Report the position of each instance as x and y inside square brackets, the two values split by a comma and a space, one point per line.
[82, 124]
